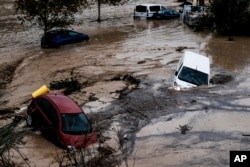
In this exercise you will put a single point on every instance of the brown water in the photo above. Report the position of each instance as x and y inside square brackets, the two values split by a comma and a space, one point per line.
[115, 48]
[233, 55]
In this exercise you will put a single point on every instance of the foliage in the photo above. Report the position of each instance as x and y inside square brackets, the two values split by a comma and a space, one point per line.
[10, 137]
[69, 85]
[113, 2]
[232, 17]
[102, 154]
[48, 14]
[109, 2]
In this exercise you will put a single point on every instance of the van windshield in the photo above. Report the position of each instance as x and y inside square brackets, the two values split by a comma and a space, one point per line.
[193, 76]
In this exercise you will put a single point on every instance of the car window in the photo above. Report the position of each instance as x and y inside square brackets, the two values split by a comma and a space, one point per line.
[141, 8]
[167, 12]
[49, 111]
[64, 34]
[163, 8]
[71, 33]
[50, 35]
[174, 12]
[154, 8]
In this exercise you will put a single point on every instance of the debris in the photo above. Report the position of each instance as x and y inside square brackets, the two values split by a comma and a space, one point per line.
[180, 48]
[184, 128]
[221, 79]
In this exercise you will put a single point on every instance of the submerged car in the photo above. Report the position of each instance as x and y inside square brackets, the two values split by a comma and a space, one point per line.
[61, 120]
[147, 10]
[58, 37]
[166, 14]
[192, 70]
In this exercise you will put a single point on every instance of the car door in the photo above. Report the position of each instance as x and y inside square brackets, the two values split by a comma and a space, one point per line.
[64, 37]
[74, 37]
[51, 115]
[37, 117]
[140, 11]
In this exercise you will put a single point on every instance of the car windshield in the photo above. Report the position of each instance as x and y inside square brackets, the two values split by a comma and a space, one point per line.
[193, 76]
[75, 123]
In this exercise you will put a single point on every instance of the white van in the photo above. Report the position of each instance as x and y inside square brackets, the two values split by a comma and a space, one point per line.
[192, 70]
[147, 10]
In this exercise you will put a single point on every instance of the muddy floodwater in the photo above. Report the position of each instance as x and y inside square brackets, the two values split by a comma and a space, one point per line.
[151, 112]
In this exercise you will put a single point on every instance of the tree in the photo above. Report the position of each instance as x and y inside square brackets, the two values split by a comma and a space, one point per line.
[109, 2]
[48, 14]
[231, 17]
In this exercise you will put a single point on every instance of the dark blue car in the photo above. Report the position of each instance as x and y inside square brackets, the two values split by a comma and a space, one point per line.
[166, 14]
[56, 38]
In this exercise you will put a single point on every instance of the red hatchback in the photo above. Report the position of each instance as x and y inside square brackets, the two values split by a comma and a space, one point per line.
[60, 119]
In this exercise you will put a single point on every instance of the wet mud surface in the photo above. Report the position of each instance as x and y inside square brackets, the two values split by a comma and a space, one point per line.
[126, 73]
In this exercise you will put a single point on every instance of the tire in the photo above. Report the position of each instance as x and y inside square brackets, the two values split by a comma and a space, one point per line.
[29, 121]
[43, 43]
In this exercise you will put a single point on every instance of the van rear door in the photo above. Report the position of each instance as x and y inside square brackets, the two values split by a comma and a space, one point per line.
[140, 11]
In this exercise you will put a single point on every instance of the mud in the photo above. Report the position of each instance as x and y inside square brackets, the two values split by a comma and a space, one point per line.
[126, 73]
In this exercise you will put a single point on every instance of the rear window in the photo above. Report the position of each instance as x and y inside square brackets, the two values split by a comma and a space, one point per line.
[141, 8]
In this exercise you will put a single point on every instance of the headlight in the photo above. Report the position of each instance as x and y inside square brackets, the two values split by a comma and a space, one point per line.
[176, 87]
[71, 148]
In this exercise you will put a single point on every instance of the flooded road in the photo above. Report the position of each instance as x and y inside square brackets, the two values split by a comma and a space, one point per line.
[232, 55]
[145, 49]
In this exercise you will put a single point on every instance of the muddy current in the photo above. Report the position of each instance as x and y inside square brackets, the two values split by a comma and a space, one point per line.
[148, 110]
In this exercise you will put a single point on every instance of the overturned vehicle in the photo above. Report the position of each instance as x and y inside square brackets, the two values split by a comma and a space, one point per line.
[192, 70]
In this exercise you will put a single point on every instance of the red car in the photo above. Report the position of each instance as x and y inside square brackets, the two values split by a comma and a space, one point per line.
[60, 119]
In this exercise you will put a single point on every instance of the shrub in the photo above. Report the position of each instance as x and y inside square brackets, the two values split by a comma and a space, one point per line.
[232, 17]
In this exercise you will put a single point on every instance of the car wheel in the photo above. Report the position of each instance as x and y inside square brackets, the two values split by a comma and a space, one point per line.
[29, 120]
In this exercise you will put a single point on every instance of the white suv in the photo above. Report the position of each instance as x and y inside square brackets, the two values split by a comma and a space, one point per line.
[147, 10]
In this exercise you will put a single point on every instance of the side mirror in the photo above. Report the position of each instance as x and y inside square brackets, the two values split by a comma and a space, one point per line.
[176, 72]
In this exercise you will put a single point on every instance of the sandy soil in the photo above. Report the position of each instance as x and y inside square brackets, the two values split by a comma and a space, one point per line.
[151, 114]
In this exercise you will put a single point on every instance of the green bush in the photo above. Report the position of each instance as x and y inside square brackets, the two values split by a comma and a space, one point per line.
[231, 17]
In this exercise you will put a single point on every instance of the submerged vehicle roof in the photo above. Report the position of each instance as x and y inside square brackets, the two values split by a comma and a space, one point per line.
[196, 61]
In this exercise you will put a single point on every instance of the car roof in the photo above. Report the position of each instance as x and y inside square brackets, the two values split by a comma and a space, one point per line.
[63, 103]
[149, 4]
[196, 61]
[58, 31]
